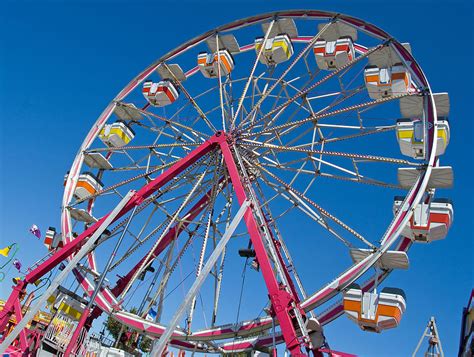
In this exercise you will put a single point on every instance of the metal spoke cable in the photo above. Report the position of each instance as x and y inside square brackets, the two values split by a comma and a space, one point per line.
[215, 190]
[318, 207]
[315, 118]
[306, 90]
[305, 208]
[191, 100]
[155, 231]
[287, 70]
[247, 84]
[193, 131]
[250, 143]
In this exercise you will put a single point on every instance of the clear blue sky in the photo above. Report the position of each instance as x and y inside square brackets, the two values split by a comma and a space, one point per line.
[62, 62]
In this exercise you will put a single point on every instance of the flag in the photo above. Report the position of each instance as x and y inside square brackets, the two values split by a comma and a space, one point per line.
[35, 231]
[5, 251]
[151, 315]
[17, 264]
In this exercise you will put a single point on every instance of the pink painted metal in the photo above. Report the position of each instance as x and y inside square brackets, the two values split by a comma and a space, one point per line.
[280, 298]
[77, 332]
[23, 337]
[172, 234]
[13, 303]
[316, 299]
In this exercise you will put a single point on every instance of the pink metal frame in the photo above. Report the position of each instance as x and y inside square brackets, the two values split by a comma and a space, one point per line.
[282, 299]
[12, 306]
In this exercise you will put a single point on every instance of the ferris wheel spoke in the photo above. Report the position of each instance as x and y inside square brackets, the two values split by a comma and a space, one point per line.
[197, 134]
[317, 173]
[224, 112]
[307, 90]
[287, 70]
[192, 100]
[141, 147]
[301, 205]
[247, 84]
[361, 134]
[346, 95]
[219, 270]
[257, 93]
[201, 261]
[368, 158]
[317, 117]
[315, 205]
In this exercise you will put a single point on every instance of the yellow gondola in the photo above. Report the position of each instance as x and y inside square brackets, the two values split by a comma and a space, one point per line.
[117, 134]
[276, 50]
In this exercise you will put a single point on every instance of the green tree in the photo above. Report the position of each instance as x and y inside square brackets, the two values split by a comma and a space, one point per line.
[145, 344]
[115, 327]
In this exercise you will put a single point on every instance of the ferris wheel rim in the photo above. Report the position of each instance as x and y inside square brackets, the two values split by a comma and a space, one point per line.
[415, 196]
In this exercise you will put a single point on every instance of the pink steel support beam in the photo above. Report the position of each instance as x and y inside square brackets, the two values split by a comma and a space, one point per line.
[23, 338]
[280, 258]
[172, 234]
[281, 300]
[10, 306]
[13, 302]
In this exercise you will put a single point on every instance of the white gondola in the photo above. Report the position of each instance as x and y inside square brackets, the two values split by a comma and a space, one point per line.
[410, 137]
[372, 311]
[276, 50]
[335, 47]
[386, 82]
[81, 215]
[410, 129]
[386, 76]
[441, 177]
[279, 26]
[331, 55]
[209, 63]
[392, 259]
[87, 185]
[161, 93]
[430, 221]
[315, 332]
[171, 71]
[127, 112]
[96, 160]
[117, 134]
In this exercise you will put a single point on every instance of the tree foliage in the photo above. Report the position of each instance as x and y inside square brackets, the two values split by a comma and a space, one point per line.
[115, 327]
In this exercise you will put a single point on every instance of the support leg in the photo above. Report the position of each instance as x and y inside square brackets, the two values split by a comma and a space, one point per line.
[283, 302]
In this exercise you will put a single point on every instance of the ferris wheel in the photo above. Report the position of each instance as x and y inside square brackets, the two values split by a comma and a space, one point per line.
[256, 183]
